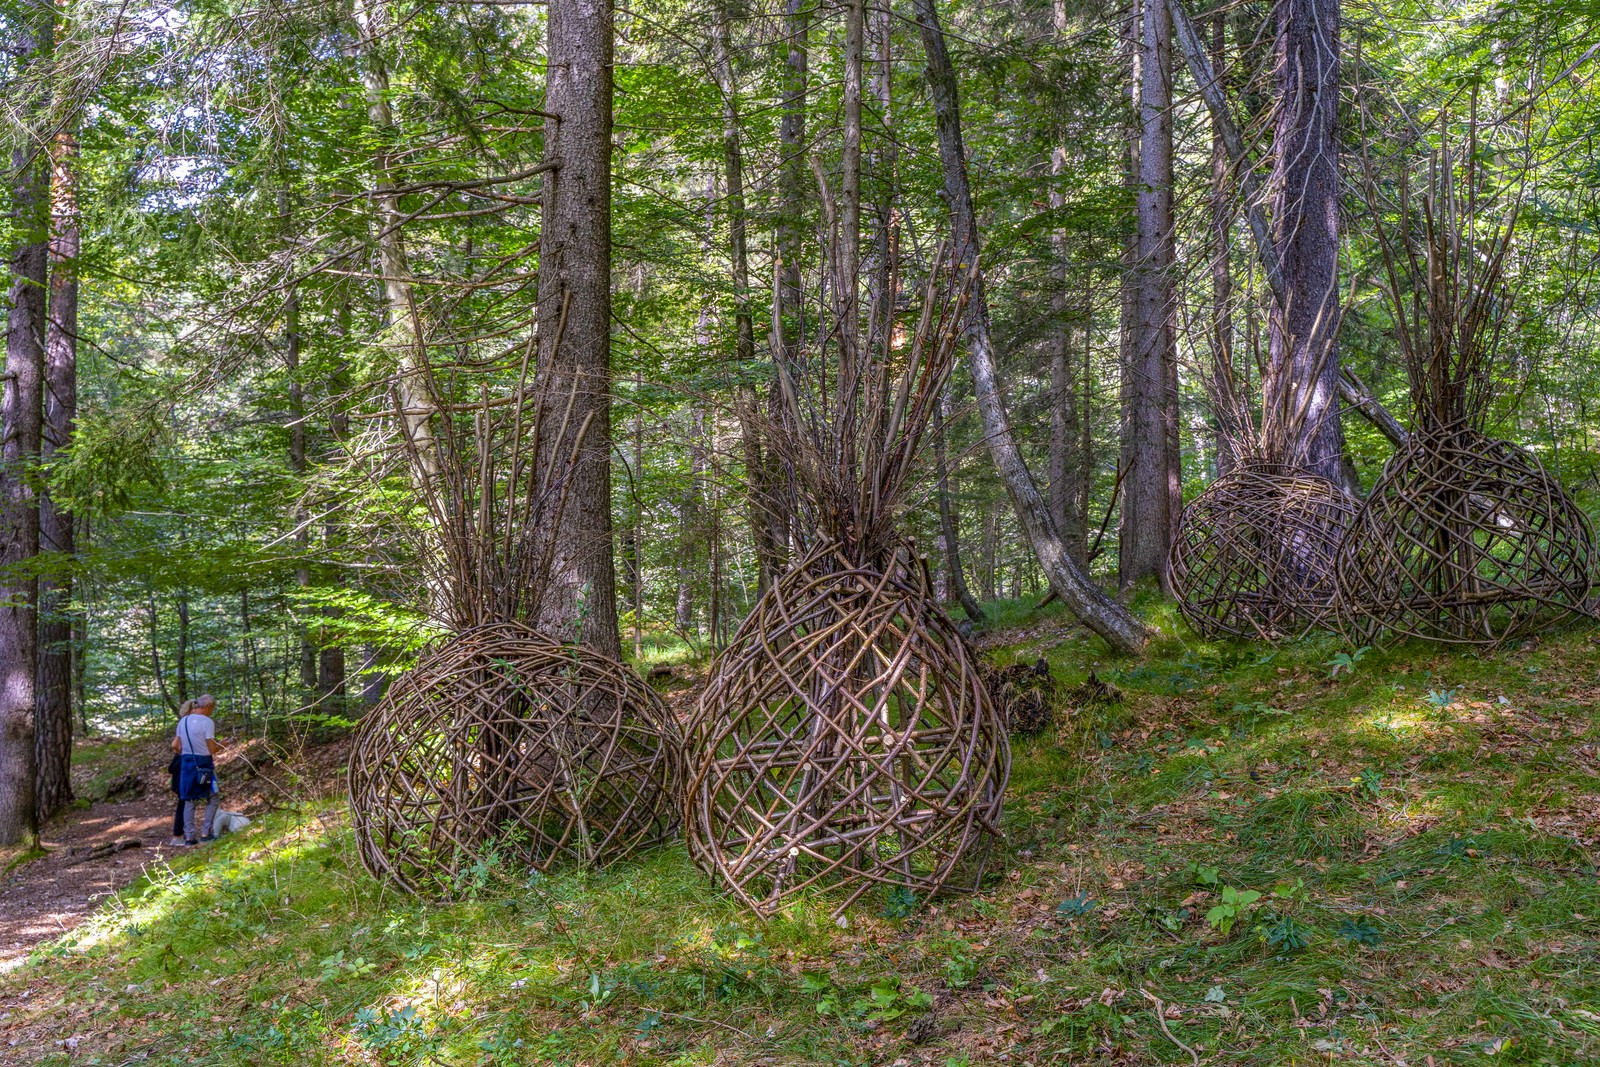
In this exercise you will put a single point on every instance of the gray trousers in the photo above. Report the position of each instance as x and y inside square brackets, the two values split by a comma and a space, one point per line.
[189, 807]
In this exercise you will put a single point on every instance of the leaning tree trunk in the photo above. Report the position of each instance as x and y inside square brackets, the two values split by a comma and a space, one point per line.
[1076, 589]
[575, 315]
[21, 414]
[1151, 489]
[53, 723]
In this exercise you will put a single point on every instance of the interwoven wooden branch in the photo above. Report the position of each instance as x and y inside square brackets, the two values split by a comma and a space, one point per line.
[1464, 539]
[506, 742]
[1255, 553]
[845, 738]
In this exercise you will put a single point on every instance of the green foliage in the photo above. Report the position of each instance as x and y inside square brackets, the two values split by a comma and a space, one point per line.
[1232, 906]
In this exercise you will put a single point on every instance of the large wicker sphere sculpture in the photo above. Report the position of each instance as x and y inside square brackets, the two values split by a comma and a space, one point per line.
[503, 741]
[1255, 553]
[1463, 539]
[845, 738]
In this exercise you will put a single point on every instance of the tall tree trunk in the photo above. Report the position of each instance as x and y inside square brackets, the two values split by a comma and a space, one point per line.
[575, 285]
[948, 529]
[882, 163]
[155, 652]
[21, 414]
[181, 659]
[636, 531]
[332, 663]
[850, 181]
[1099, 612]
[1351, 389]
[1151, 486]
[1302, 386]
[759, 491]
[1065, 491]
[298, 465]
[53, 740]
[789, 311]
[690, 533]
[413, 384]
[1228, 406]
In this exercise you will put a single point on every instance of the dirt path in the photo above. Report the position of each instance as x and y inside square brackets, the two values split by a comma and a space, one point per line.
[91, 852]
[45, 898]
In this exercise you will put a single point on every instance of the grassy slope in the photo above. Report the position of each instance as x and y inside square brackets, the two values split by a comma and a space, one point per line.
[1426, 817]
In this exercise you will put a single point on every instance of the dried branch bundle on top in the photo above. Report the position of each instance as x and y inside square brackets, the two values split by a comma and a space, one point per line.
[1253, 555]
[846, 736]
[502, 741]
[1464, 538]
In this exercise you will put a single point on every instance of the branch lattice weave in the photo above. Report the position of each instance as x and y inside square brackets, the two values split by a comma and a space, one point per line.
[503, 741]
[1463, 539]
[846, 738]
[1255, 553]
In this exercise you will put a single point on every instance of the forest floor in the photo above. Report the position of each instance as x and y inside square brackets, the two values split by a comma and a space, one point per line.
[1310, 854]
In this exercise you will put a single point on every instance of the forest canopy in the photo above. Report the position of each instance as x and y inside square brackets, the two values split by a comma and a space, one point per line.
[280, 249]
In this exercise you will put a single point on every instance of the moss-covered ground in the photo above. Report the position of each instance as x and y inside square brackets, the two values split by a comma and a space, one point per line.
[1310, 854]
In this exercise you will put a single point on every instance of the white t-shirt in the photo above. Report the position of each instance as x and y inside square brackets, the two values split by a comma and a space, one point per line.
[194, 730]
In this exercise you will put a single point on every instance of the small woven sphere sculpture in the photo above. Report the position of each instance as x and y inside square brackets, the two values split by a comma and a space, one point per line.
[1464, 539]
[846, 738]
[1254, 554]
[505, 742]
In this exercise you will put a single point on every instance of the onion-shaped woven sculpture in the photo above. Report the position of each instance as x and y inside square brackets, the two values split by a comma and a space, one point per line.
[1464, 539]
[1254, 554]
[505, 741]
[846, 737]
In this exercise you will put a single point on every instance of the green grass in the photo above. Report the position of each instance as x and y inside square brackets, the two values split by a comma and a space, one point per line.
[1419, 826]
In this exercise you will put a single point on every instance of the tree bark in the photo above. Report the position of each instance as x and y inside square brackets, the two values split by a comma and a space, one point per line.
[53, 723]
[1301, 387]
[413, 384]
[690, 533]
[1190, 44]
[948, 529]
[299, 466]
[575, 286]
[790, 226]
[1075, 588]
[850, 181]
[21, 415]
[1151, 487]
[181, 659]
[759, 491]
[1065, 431]
[1228, 405]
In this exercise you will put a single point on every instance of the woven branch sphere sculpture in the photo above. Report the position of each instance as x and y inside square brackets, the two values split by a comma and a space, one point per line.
[846, 737]
[506, 742]
[1255, 553]
[1464, 539]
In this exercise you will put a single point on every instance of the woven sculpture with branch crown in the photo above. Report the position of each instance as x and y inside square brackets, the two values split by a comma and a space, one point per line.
[1464, 538]
[502, 744]
[1255, 553]
[846, 737]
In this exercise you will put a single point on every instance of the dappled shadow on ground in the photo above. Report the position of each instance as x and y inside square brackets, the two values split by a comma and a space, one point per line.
[1308, 854]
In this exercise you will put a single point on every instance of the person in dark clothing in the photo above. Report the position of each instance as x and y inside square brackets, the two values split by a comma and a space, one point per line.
[197, 746]
[174, 767]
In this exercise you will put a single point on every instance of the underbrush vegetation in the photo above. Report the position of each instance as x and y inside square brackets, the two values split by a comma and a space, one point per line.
[1313, 854]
